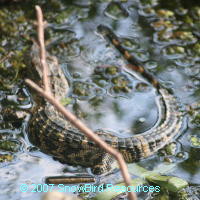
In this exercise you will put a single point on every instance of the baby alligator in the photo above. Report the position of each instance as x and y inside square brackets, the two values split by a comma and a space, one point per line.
[56, 136]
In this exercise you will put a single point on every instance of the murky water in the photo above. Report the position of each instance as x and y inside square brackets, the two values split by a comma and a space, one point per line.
[163, 36]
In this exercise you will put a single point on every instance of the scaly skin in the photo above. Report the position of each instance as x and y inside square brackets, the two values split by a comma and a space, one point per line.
[57, 137]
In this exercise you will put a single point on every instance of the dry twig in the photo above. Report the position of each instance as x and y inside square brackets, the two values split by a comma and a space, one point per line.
[46, 93]
[40, 30]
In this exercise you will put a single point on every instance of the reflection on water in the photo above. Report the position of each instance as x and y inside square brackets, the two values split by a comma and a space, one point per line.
[162, 35]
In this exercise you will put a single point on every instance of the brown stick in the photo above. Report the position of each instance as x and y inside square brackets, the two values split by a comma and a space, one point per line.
[40, 30]
[46, 93]
[69, 179]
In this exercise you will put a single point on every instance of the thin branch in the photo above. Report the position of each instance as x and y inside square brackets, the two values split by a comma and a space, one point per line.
[40, 30]
[69, 179]
[68, 115]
